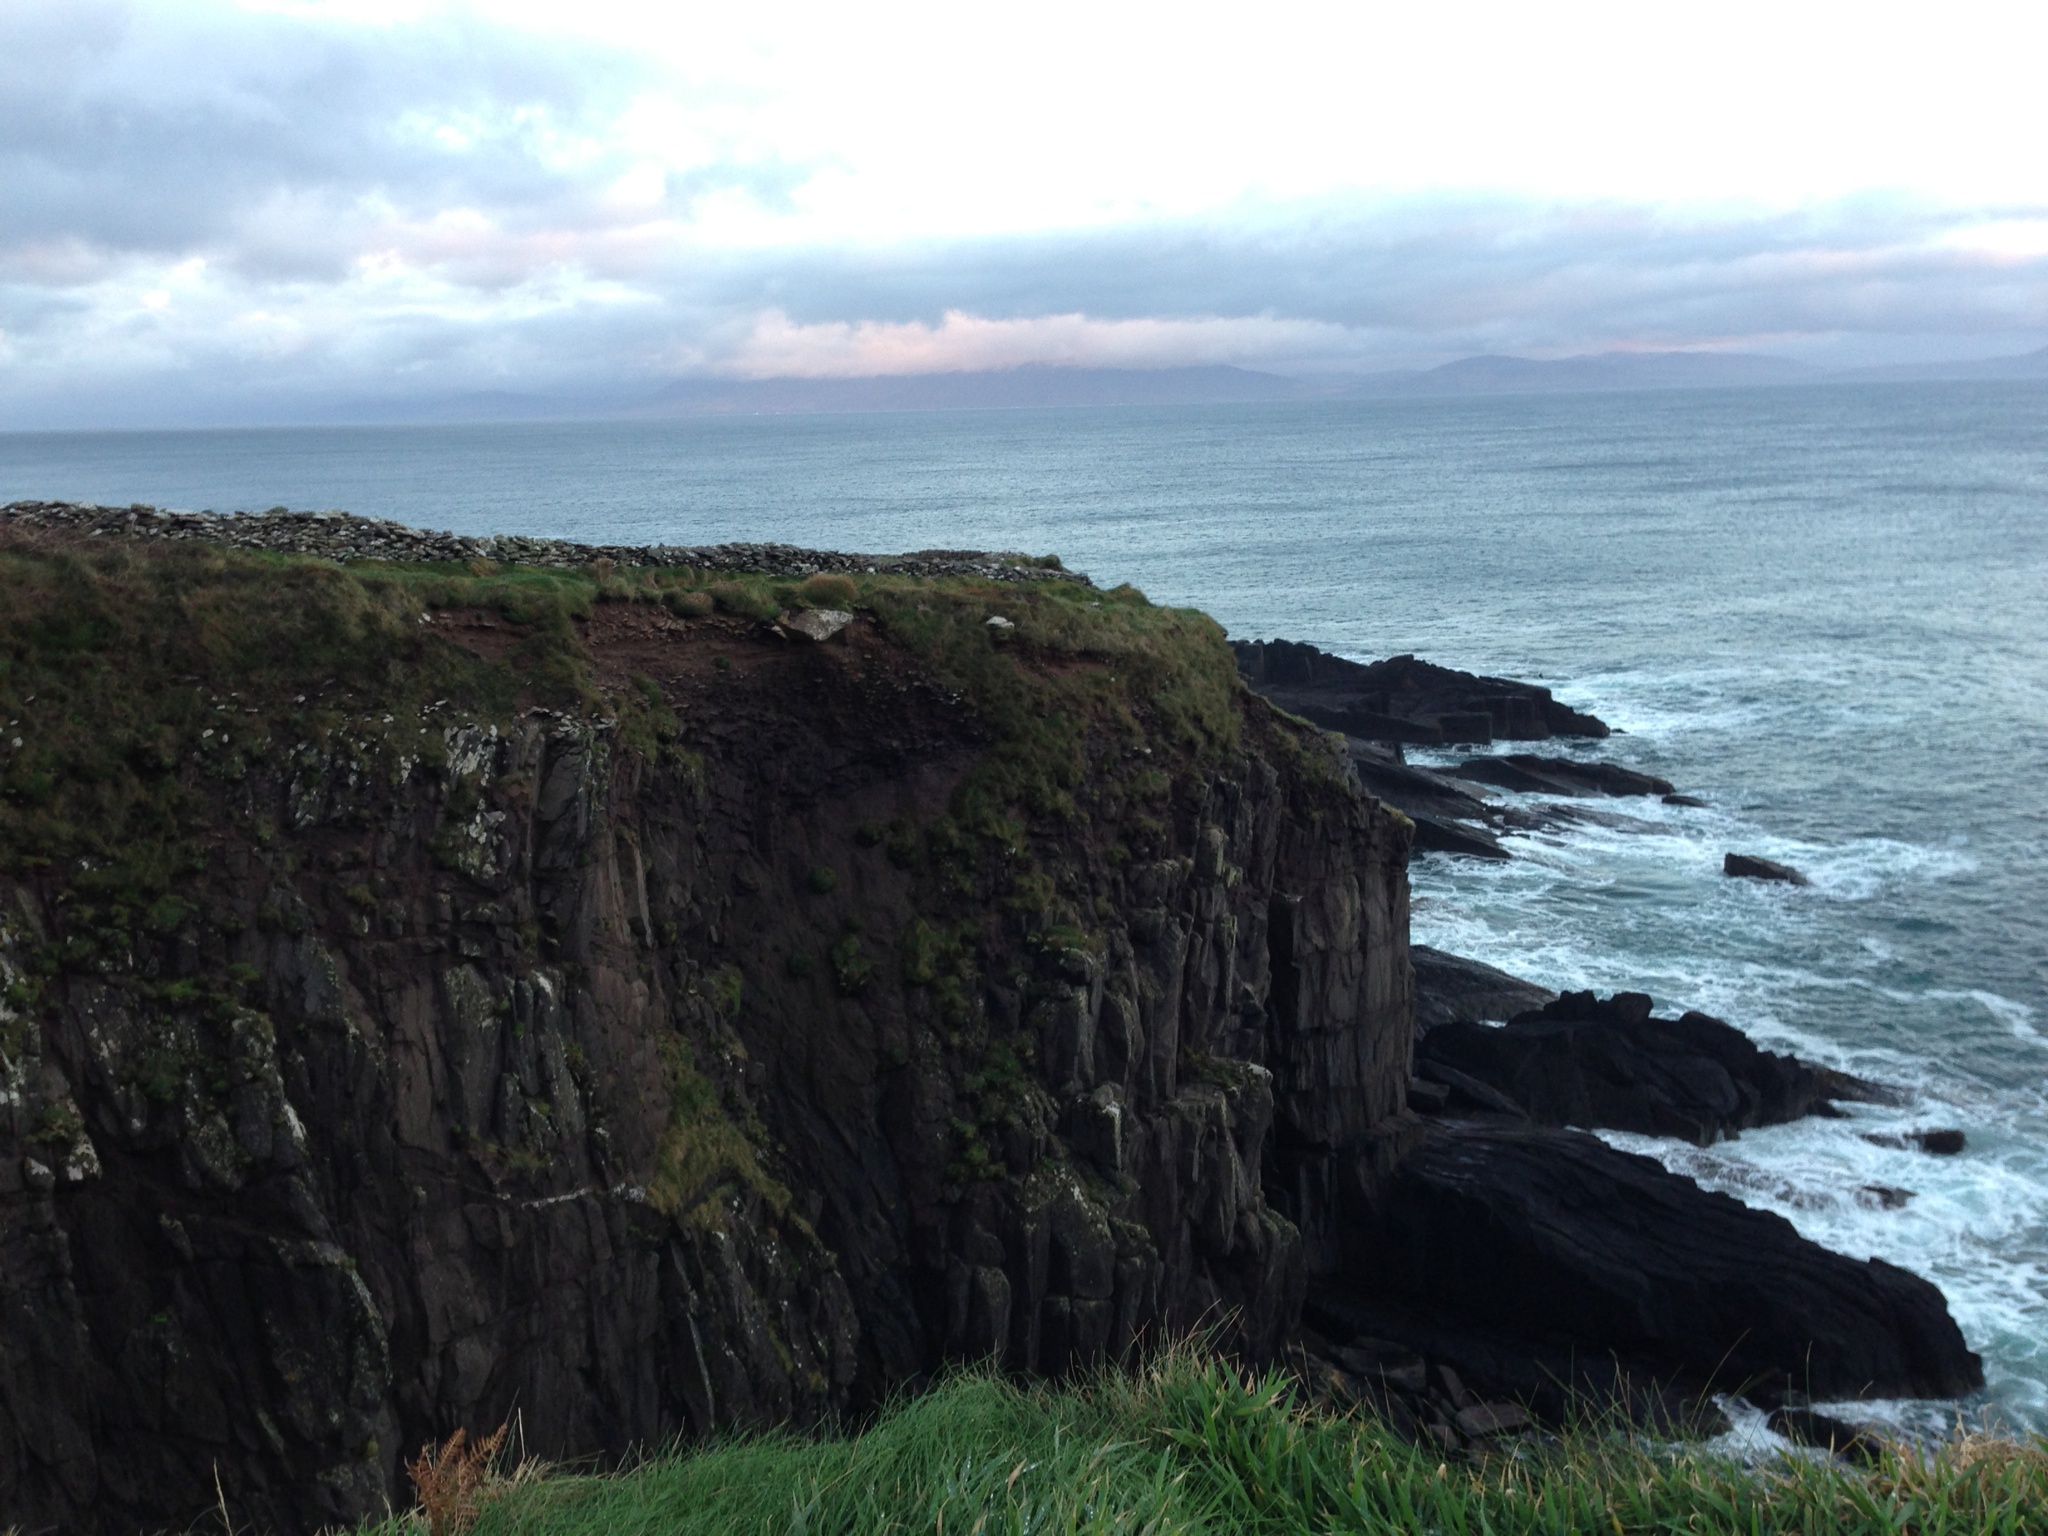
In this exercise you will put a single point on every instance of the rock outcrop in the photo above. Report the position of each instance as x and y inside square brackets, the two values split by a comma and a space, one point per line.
[1538, 1261]
[1606, 1063]
[1404, 699]
[1750, 866]
[1532, 774]
[1450, 989]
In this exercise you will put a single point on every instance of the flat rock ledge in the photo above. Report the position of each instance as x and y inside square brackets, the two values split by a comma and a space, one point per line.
[343, 536]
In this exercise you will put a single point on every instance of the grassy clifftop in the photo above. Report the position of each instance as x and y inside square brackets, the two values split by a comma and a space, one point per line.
[133, 674]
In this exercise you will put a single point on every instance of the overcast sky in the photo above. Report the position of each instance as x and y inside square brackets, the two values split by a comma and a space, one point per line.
[230, 211]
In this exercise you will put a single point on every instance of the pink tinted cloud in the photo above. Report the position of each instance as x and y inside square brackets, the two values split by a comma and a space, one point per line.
[778, 347]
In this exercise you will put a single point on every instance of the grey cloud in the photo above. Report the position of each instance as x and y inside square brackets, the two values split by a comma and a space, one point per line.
[258, 139]
[1450, 274]
[280, 150]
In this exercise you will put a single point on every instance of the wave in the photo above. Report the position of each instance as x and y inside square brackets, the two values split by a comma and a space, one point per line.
[1859, 972]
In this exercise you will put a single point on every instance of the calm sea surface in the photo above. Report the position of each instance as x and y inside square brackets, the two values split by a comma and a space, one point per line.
[1823, 610]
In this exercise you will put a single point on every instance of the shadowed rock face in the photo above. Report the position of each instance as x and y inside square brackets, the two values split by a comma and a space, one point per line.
[649, 1093]
[1517, 1243]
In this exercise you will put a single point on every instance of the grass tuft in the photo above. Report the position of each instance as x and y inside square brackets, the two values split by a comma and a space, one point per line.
[1191, 1445]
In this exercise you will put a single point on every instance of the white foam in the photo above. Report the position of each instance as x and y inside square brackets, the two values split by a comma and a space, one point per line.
[1823, 972]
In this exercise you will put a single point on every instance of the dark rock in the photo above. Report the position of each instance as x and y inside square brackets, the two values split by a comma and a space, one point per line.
[1607, 1063]
[1427, 1098]
[1434, 834]
[1687, 800]
[1884, 1197]
[1465, 730]
[1750, 867]
[1943, 1143]
[1554, 1239]
[1559, 776]
[1483, 1419]
[1466, 1091]
[1803, 1426]
[1366, 724]
[1448, 817]
[1450, 989]
[1403, 699]
[1557, 1382]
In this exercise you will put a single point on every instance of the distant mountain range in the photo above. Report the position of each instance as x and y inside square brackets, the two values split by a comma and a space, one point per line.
[1039, 386]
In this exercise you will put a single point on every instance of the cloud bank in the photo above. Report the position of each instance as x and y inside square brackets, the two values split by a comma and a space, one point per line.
[216, 214]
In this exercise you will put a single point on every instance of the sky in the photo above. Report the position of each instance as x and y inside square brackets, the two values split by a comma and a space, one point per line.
[277, 209]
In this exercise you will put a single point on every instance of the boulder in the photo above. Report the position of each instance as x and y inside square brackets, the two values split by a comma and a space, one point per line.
[819, 624]
[1553, 1243]
[1748, 866]
[1607, 1063]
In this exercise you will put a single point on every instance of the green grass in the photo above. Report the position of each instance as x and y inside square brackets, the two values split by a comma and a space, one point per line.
[144, 680]
[1190, 1446]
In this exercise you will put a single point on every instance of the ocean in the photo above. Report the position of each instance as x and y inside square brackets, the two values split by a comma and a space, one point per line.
[1823, 610]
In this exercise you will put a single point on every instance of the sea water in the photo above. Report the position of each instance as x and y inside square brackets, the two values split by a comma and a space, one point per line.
[1822, 610]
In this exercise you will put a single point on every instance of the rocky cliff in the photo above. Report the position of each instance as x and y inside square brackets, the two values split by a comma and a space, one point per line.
[442, 993]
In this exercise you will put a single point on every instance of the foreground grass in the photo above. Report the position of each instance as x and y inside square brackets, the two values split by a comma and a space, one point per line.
[1191, 1447]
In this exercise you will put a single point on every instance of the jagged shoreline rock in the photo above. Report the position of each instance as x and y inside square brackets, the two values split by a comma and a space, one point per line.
[1607, 1063]
[1450, 989]
[1405, 699]
[1543, 1262]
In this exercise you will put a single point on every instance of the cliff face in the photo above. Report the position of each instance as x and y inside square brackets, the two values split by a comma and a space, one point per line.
[679, 1025]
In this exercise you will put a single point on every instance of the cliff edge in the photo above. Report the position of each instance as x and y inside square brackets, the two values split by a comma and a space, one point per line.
[435, 992]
